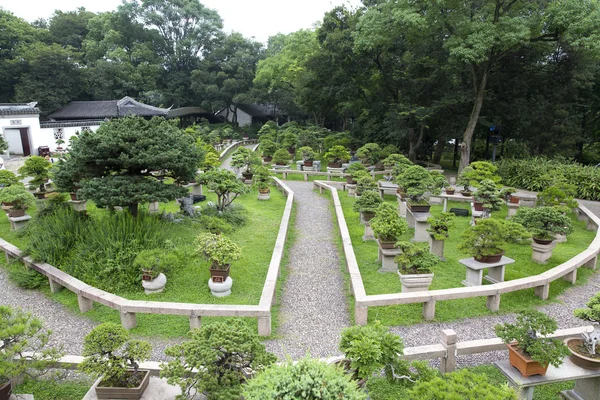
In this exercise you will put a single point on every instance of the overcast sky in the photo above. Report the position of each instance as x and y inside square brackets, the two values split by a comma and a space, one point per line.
[258, 18]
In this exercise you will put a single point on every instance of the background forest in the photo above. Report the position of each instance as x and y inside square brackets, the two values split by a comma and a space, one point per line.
[417, 74]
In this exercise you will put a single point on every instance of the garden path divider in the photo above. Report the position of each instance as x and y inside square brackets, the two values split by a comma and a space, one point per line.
[540, 283]
[87, 295]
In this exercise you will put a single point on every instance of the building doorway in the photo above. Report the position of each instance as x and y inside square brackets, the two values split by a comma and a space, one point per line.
[18, 141]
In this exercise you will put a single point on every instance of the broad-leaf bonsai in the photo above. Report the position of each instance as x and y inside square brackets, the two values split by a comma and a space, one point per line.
[217, 360]
[281, 157]
[220, 251]
[488, 237]
[261, 180]
[544, 223]
[367, 203]
[153, 263]
[111, 354]
[225, 184]
[387, 225]
[336, 155]
[530, 334]
[38, 168]
[369, 154]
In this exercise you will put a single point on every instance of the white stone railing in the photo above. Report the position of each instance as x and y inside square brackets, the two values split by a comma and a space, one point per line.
[235, 145]
[87, 295]
[540, 283]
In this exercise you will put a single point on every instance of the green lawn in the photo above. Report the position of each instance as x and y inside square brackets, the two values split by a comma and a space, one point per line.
[189, 284]
[450, 273]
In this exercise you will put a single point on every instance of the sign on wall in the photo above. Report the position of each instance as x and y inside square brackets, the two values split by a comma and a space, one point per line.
[16, 122]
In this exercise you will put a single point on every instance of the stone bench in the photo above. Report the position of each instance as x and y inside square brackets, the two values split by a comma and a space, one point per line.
[475, 271]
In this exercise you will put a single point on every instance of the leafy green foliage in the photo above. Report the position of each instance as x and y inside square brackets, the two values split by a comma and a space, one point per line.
[18, 196]
[529, 332]
[365, 183]
[370, 153]
[387, 224]
[337, 154]
[305, 379]
[38, 168]
[218, 249]
[3, 145]
[461, 384]
[268, 147]
[262, 178]
[368, 201]
[225, 184]
[220, 353]
[476, 172]
[27, 278]
[416, 258]
[490, 235]
[21, 333]
[592, 310]
[8, 178]
[488, 194]
[109, 352]
[281, 157]
[155, 261]
[440, 225]
[308, 154]
[559, 194]
[544, 222]
[372, 348]
[355, 169]
[416, 180]
[245, 158]
[235, 214]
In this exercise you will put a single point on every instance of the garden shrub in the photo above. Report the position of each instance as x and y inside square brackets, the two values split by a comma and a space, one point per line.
[25, 277]
[234, 214]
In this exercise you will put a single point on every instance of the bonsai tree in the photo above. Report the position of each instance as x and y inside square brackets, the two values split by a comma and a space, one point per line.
[530, 333]
[59, 143]
[306, 379]
[267, 148]
[368, 202]
[262, 179]
[365, 183]
[461, 384]
[225, 184]
[337, 155]
[18, 196]
[440, 225]
[478, 171]
[289, 140]
[370, 153]
[544, 222]
[245, 158]
[153, 262]
[215, 360]
[415, 258]
[308, 154]
[111, 354]
[211, 161]
[416, 180]
[65, 177]
[7, 178]
[387, 225]
[506, 193]
[219, 250]
[281, 157]
[489, 195]
[559, 194]
[490, 235]
[591, 313]
[373, 348]
[439, 181]
[3, 145]
[356, 171]
[38, 168]
[396, 160]
[23, 346]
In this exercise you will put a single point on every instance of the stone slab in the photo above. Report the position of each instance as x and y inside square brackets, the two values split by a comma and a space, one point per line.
[474, 264]
[21, 397]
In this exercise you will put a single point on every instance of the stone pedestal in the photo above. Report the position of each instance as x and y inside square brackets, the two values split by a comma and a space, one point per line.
[368, 232]
[387, 258]
[264, 196]
[21, 397]
[156, 285]
[78, 205]
[475, 271]
[351, 189]
[437, 247]
[415, 283]
[401, 206]
[560, 238]
[18, 223]
[527, 201]
[541, 252]
[220, 289]
[153, 207]
[418, 220]
[512, 209]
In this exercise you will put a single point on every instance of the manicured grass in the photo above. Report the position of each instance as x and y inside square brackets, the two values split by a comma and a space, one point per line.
[189, 283]
[450, 273]
[51, 390]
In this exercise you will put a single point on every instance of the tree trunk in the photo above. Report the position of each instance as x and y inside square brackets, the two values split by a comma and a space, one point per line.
[133, 209]
[414, 142]
[439, 149]
[480, 82]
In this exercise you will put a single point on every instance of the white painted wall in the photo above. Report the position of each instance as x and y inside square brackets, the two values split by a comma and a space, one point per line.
[46, 136]
[31, 122]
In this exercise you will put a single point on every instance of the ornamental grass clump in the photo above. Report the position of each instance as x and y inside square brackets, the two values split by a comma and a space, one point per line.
[368, 202]
[110, 353]
[544, 222]
[387, 225]
[219, 250]
[489, 236]
[415, 258]
[529, 333]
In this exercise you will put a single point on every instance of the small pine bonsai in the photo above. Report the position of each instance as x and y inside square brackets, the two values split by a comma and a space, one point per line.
[337, 155]
[262, 178]
[559, 194]
[488, 194]
[225, 184]
[154, 261]
[387, 224]
[415, 258]
[7, 178]
[439, 226]
[368, 202]
[544, 222]
[530, 333]
[245, 158]
[356, 169]
[267, 148]
[370, 153]
[38, 168]
[18, 196]
[308, 154]
[394, 160]
[365, 183]
[416, 180]
[478, 171]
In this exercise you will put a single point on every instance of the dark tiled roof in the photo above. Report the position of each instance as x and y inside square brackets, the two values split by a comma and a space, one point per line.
[185, 111]
[67, 124]
[106, 109]
[19, 108]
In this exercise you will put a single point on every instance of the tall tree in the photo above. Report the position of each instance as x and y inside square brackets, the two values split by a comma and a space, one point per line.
[70, 28]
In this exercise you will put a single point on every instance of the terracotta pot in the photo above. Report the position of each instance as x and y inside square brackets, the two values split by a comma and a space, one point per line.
[515, 199]
[478, 206]
[219, 275]
[576, 346]
[450, 191]
[526, 366]
[308, 163]
[490, 259]
[542, 241]
[386, 244]
[6, 390]
[136, 393]
[418, 207]
[16, 213]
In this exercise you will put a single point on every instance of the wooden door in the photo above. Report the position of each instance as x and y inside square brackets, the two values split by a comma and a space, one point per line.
[25, 141]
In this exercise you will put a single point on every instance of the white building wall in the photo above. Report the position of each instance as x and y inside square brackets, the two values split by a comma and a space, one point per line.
[11, 122]
[46, 136]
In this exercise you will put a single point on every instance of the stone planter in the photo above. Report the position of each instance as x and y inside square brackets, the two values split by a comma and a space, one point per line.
[351, 189]
[263, 194]
[16, 213]
[526, 366]
[478, 206]
[579, 359]
[422, 208]
[560, 238]
[78, 205]
[541, 252]
[366, 216]
[220, 289]
[437, 247]
[155, 285]
[135, 393]
[385, 244]
[415, 282]
[153, 207]
[368, 232]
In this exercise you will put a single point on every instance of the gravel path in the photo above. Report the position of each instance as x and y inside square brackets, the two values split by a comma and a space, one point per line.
[313, 309]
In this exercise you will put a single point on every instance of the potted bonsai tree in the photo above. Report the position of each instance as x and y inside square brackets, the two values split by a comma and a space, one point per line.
[485, 240]
[365, 183]
[355, 171]
[387, 225]
[507, 194]
[439, 227]
[110, 353]
[17, 198]
[336, 155]
[281, 157]
[544, 223]
[367, 205]
[247, 160]
[529, 348]
[416, 180]
[66, 178]
[267, 148]
[59, 143]
[585, 351]
[262, 182]
[559, 194]
[153, 265]
[369, 154]
[23, 349]
[308, 155]
[396, 160]
[220, 251]
[7, 178]
[487, 198]
[415, 262]
[289, 141]
[38, 168]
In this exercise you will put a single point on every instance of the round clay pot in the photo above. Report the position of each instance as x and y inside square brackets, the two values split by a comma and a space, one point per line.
[542, 241]
[466, 193]
[580, 359]
[490, 259]
[450, 191]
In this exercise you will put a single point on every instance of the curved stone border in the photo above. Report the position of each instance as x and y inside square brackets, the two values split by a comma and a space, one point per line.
[235, 145]
[87, 295]
[541, 283]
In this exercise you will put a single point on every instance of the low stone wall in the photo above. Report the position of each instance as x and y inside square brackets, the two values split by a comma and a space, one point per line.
[540, 283]
[233, 146]
[87, 295]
